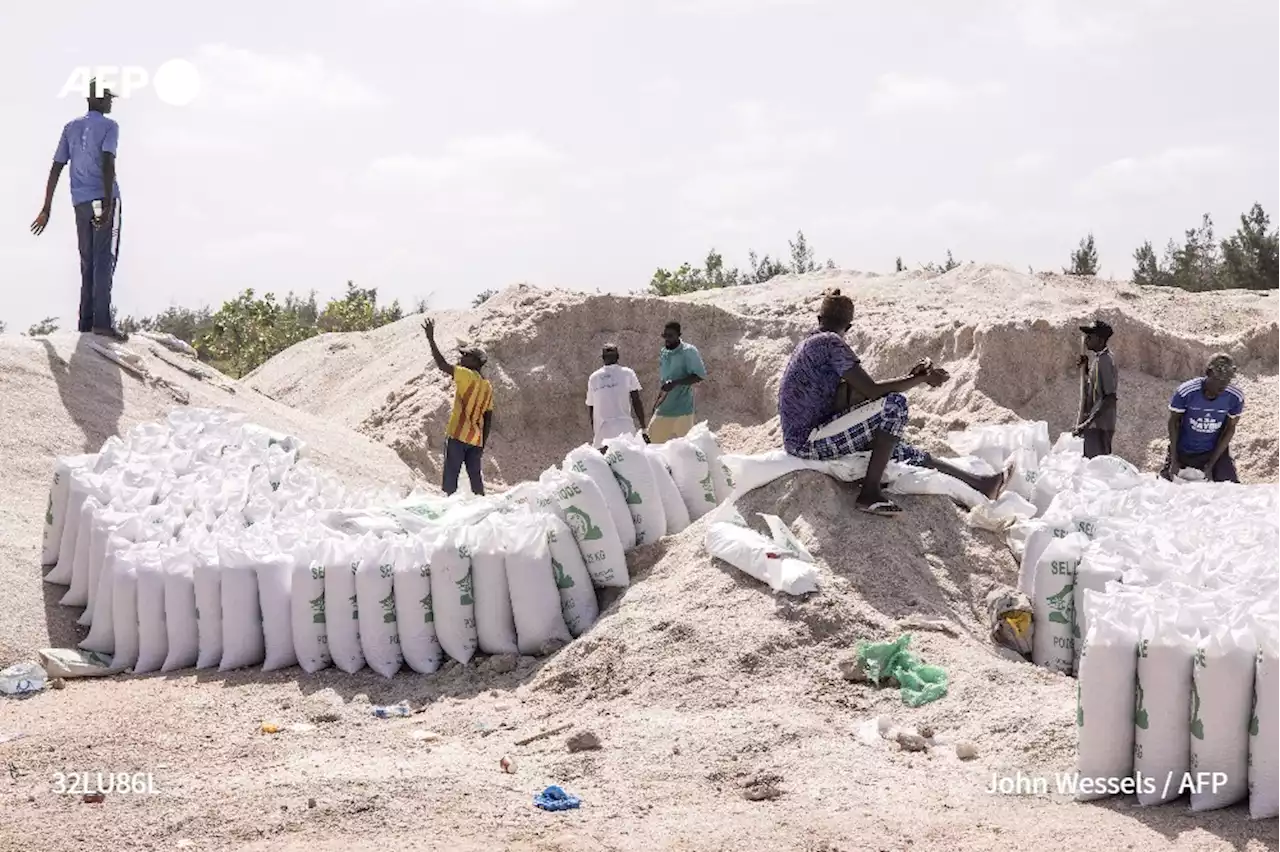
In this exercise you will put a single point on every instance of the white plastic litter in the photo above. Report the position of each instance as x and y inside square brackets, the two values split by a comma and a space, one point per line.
[747, 550]
[784, 538]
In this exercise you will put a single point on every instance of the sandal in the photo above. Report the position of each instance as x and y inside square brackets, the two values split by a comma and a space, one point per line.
[883, 508]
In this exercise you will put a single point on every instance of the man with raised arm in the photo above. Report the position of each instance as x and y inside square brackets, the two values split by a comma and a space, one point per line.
[472, 415]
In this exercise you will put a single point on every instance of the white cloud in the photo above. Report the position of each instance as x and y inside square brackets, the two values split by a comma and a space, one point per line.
[1140, 175]
[242, 79]
[170, 138]
[1026, 163]
[1086, 25]
[254, 245]
[900, 92]
[953, 212]
[472, 157]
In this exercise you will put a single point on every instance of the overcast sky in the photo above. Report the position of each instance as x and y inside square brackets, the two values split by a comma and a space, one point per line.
[436, 149]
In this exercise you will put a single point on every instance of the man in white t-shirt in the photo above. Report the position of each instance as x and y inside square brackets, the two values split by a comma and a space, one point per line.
[613, 396]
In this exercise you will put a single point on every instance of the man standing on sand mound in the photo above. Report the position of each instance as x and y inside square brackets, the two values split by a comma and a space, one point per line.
[680, 367]
[472, 415]
[830, 407]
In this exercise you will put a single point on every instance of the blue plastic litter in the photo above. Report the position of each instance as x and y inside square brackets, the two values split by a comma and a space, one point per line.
[555, 799]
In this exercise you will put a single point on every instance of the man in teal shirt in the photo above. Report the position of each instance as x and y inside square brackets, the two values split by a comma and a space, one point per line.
[680, 368]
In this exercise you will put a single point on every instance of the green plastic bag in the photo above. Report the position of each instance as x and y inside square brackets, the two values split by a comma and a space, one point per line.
[920, 683]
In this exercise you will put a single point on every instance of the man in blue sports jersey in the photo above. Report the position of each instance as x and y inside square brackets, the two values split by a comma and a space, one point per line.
[1202, 419]
[89, 144]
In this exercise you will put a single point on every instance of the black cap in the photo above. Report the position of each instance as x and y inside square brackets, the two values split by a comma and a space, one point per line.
[1098, 327]
[93, 86]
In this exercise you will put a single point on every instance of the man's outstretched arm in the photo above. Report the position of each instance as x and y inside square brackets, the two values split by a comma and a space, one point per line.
[51, 186]
[1225, 434]
[429, 328]
[866, 388]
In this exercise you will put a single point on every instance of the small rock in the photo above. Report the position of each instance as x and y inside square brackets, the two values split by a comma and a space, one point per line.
[31, 797]
[966, 750]
[508, 765]
[94, 798]
[323, 717]
[311, 803]
[675, 749]
[583, 741]
[503, 663]
[927, 731]
[58, 683]
[908, 741]
[284, 807]
[762, 787]
[851, 669]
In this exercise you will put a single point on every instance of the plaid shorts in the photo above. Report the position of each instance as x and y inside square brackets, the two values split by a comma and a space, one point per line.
[857, 438]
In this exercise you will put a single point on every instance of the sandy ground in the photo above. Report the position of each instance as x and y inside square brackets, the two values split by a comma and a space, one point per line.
[701, 684]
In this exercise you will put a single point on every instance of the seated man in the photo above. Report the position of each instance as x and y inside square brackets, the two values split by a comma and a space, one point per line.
[830, 407]
[1202, 418]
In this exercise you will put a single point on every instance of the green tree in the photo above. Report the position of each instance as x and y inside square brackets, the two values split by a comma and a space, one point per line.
[831, 264]
[1084, 260]
[1196, 264]
[481, 297]
[44, 328]
[939, 268]
[247, 331]
[1251, 257]
[801, 255]
[357, 310]
[3, 326]
[1147, 270]
[762, 269]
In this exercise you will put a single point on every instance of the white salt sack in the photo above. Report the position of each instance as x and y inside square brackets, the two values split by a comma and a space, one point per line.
[704, 439]
[627, 459]
[242, 640]
[1104, 696]
[341, 607]
[589, 519]
[587, 461]
[495, 621]
[153, 634]
[692, 474]
[1221, 708]
[124, 607]
[578, 603]
[535, 598]
[453, 604]
[180, 612]
[375, 592]
[677, 514]
[1053, 643]
[415, 615]
[1264, 727]
[208, 581]
[275, 580]
[1162, 729]
[55, 515]
[77, 491]
[307, 610]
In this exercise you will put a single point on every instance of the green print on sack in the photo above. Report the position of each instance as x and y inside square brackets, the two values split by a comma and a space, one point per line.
[1079, 708]
[728, 476]
[563, 580]
[1062, 605]
[389, 608]
[1253, 716]
[1139, 712]
[48, 513]
[317, 609]
[708, 488]
[632, 496]
[1197, 724]
[428, 614]
[579, 467]
[464, 591]
[355, 610]
[580, 522]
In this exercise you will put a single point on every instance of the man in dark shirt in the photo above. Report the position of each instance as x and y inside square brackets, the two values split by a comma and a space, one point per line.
[1096, 422]
[830, 407]
[89, 144]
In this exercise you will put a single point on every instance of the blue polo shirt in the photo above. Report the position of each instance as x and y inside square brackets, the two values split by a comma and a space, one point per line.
[675, 364]
[83, 141]
[1203, 418]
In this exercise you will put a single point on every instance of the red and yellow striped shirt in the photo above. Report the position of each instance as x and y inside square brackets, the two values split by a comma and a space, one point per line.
[472, 398]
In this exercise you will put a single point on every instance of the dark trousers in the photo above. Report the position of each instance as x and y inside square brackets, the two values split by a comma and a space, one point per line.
[1097, 442]
[97, 265]
[456, 455]
[1224, 470]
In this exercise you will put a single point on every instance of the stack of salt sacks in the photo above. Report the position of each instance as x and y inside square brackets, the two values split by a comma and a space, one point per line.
[1162, 598]
[205, 542]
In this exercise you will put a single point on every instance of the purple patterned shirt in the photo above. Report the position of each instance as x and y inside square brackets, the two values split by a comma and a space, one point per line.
[809, 385]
